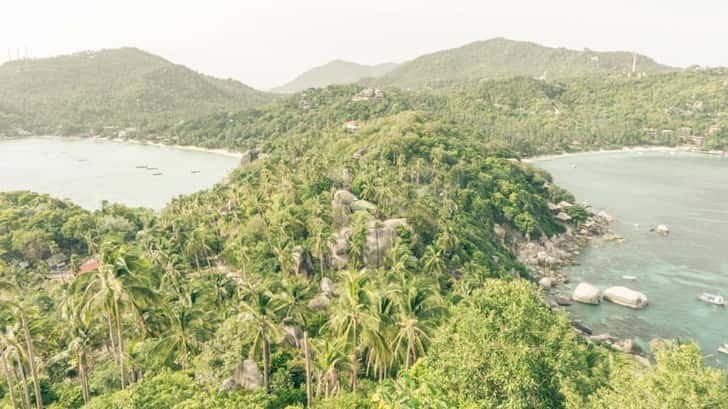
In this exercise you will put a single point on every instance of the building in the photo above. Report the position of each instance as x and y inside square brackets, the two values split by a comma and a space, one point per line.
[88, 266]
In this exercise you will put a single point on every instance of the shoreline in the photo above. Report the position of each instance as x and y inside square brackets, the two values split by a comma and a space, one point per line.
[626, 149]
[222, 152]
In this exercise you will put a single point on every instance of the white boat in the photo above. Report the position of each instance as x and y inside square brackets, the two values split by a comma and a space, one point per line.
[723, 349]
[711, 298]
[630, 278]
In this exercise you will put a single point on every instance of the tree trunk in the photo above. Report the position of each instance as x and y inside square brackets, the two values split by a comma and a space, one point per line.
[112, 337]
[354, 363]
[8, 379]
[121, 344]
[307, 362]
[31, 361]
[266, 363]
[82, 377]
[24, 379]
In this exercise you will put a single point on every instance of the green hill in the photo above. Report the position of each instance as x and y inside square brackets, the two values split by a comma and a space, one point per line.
[503, 58]
[335, 73]
[525, 115]
[123, 87]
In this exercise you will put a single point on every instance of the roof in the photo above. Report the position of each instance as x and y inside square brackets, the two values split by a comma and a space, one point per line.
[88, 266]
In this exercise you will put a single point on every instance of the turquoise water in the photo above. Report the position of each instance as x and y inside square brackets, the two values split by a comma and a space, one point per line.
[688, 193]
[88, 171]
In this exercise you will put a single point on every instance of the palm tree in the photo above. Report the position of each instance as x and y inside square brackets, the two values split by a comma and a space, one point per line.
[432, 261]
[117, 284]
[11, 299]
[376, 337]
[8, 377]
[330, 362]
[187, 325]
[259, 304]
[293, 296]
[351, 316]
[418, 308]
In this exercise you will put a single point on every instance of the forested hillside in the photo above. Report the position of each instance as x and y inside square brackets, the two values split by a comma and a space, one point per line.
[525, 115]
[363, 255]
[355, 268]
[501, 58]
[336, 72]
[110, 89]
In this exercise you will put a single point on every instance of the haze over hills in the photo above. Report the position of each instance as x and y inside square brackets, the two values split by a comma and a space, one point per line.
[115, 87]
[336, 72]
[502, 58]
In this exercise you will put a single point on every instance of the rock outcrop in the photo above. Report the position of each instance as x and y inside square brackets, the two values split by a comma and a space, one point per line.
[625, 297]
[302, 263]
[319, 303]
[228, 385]
[248, 157]
[586, 293]
[338, 247]
[292, 335]
[248, 376]
[327, 287]
[380, 237]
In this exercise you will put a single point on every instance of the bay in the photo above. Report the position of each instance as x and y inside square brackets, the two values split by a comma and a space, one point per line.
[688, 192]
[88, 171]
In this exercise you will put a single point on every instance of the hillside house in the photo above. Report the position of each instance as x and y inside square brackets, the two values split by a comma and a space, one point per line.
[88, 266]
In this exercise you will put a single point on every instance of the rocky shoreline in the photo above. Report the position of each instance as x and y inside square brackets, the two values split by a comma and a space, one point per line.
[547, 256]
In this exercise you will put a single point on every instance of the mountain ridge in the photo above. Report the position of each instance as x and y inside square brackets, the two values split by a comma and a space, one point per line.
[112, 87]
[336, 72]
[499, 58]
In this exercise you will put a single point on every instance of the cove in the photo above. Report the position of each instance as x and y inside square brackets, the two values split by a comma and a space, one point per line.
[88, 171]
[688, 192]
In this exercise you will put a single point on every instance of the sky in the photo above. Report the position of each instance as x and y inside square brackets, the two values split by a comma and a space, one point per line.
[265, 43]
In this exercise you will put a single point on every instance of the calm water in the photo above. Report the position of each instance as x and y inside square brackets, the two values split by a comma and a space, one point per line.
[688, 193]
[89, 171]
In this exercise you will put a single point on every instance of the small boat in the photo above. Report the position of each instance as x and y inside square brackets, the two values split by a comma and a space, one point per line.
[723, 349]
[148, 168]
[195, 171]
[630, 278]
[142, 167]
[156, 173]
[712, 299]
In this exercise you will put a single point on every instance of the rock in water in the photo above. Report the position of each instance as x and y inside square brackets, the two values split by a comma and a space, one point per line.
[563, 300]
[625, 297]
[586, 293]
[546, 283]
[581, 327]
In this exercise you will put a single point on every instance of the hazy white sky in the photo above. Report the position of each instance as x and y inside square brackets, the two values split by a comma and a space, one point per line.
[265, 43]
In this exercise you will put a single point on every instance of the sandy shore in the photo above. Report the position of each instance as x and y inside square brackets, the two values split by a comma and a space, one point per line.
[162, 145]
[682, 148]
[138, 142]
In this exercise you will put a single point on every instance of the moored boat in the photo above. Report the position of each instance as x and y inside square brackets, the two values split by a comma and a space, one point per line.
[630, 278]
[712, 299]
[723, 349]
